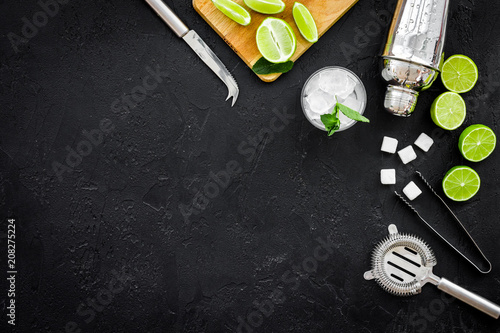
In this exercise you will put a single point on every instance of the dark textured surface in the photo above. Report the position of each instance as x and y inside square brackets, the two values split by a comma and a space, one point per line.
[117, 213]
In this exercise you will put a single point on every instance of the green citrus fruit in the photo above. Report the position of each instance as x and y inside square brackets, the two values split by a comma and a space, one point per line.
[459, 73]
[477, 142]
[461, 183]
[448, 111]
[276, 40]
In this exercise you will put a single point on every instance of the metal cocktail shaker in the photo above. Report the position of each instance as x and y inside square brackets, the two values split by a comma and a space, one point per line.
[413, 52]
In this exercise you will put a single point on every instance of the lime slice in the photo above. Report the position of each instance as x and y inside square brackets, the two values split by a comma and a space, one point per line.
[477, 142]
[305, 22]
[276, 40]
[459, 73]
[448, 110]
[234, 11]
[266, 6]
[461, 183]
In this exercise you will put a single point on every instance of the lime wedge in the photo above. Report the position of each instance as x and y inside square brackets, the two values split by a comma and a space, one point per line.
[459, 73]
[276, 40]
[234, 11]
[461, 183]
[477, 142]
[448, 110]
[266, 6]
[305, 22]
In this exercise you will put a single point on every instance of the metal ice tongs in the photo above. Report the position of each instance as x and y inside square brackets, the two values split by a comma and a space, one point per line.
[437, 233]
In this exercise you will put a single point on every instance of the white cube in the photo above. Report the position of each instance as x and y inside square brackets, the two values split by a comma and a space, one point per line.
[412, 191]
[389, 145]
[407, 154]
[424, 142]
[388, 176]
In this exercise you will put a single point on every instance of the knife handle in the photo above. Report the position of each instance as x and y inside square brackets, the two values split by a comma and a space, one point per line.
[167, 15]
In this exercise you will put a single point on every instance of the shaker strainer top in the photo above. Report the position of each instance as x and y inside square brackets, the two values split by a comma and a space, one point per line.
[402, 264]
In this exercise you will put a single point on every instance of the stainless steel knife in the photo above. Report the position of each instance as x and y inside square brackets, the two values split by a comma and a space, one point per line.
[198, 46]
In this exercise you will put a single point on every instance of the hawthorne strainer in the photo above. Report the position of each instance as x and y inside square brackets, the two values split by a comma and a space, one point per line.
[402, 264]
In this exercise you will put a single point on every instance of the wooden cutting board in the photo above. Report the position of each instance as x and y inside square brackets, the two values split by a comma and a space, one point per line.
[242, 39]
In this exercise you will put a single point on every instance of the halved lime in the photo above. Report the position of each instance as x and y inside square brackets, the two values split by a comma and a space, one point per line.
[461, 183]
[477, 142]
[459, 73]
[266, 6]
[276, 40]
[305, 22]
[448, 110]
[234, 11]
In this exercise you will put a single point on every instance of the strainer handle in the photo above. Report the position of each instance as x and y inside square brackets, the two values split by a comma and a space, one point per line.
[470, 298]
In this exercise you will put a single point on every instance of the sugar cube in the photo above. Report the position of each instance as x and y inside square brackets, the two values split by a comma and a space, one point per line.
[412, 191]
[389, 145]
[424, 142]
[407, 154]
[388, 176]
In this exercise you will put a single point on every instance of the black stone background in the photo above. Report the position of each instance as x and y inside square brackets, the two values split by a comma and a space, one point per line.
[118, 211]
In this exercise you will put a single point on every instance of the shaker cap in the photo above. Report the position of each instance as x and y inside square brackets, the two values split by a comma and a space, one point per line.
[400, 101]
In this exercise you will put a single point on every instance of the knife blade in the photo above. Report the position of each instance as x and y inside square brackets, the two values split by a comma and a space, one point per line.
[198, 45]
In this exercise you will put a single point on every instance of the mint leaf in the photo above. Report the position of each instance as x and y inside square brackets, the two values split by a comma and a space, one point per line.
[331, 121]
[263, 67]
[352, 114]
